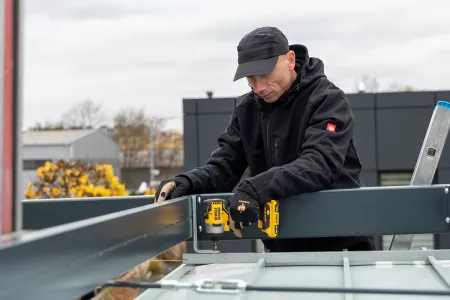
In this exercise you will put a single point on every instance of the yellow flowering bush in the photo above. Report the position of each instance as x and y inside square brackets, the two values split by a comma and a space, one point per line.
[150, 191]
[64, 179]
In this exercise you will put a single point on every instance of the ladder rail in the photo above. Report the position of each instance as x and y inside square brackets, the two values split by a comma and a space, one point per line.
[428, 160]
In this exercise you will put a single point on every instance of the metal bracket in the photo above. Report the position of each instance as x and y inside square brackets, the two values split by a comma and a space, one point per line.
[196, 199]
[447, 205]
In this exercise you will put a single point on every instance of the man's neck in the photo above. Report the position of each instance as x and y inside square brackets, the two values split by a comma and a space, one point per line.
[292, 77]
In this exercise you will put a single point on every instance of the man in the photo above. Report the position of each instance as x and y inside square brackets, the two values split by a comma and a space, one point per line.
[294, 130]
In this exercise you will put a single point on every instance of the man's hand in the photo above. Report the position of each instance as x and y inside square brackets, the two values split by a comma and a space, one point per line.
[173, 188]
[244, 210]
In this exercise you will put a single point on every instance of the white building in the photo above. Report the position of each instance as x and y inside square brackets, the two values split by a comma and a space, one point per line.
[92, 145]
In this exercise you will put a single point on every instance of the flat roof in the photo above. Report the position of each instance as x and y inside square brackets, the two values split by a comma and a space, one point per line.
[54, 137]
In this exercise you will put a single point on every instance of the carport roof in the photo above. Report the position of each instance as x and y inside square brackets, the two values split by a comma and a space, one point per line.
[54, 137]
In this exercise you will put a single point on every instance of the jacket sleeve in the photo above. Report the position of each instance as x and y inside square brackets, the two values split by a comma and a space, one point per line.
[225, 166]
[321, 157]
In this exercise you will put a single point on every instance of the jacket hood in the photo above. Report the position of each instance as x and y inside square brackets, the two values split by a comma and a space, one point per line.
[309, 69]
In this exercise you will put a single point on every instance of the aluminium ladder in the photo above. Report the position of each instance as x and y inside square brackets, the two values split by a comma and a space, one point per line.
[428, 160]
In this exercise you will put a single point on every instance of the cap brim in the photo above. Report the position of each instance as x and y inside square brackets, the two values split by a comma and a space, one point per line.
[256, 67]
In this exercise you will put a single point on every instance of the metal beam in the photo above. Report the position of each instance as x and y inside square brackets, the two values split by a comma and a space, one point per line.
[352, 212]
[347, 277]
[443, 272]
[67, 261]
[355, 258]
[39, 214]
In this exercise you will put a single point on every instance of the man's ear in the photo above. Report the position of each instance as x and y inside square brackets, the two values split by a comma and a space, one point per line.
[291, 59]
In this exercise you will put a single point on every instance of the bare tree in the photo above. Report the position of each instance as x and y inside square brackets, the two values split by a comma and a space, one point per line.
[86, 114]
[367, 84]
[168, 148]
[38, 126]
[397, 87]
[132, 130]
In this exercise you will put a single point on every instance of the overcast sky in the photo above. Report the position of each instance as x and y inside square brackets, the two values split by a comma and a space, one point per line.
[147, 53]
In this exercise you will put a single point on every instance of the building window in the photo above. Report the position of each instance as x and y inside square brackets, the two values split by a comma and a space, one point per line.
[34, 164]
[395, 178]
[398, 178]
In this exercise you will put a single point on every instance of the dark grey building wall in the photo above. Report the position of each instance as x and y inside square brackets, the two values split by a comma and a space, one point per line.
[389, 131]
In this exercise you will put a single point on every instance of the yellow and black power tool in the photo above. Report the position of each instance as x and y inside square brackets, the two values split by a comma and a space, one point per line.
[217, 218]
[269, 218]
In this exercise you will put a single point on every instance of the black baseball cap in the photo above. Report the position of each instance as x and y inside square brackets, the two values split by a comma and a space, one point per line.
[258, 51]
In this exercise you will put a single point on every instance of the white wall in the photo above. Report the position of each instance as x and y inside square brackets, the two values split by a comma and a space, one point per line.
[50, 152]
[45, 152]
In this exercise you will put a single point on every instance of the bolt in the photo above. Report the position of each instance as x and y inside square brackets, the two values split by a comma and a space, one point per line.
[447, 220]
[200, 228]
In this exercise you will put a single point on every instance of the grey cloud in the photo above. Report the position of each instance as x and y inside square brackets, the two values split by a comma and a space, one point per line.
[363, 30]
[181, 49]
[101, 9]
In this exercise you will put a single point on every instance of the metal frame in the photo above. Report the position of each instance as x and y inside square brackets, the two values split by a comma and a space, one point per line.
[355, 258]
[368, 211]
[436, 259]
[41, 214]
[69, 260]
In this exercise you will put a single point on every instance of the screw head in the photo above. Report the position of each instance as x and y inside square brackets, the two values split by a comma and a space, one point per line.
[200, 228]
[446, 190]
[447, 220]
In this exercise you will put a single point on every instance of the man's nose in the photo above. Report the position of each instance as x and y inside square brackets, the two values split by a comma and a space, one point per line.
[258, 86]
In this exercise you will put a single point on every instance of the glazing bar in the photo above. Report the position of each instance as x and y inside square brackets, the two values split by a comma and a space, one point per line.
[443, 273]
[347, 277]
[256, 272]
[355, 258]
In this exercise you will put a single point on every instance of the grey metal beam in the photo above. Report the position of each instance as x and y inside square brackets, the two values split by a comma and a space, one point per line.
[38, 214]
[255, 275]
[66, 261]
[347, 277]
[355, 258]
[442, 272]
[365, 211]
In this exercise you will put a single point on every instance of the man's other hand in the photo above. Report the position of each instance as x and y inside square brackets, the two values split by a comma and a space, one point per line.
[244, 210]
[173, 188]
[237, 232]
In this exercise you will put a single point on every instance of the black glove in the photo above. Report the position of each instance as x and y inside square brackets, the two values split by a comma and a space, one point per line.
[244, 208]
[182, 187]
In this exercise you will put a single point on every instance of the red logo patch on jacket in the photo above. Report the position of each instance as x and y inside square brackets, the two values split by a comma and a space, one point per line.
[331, 127]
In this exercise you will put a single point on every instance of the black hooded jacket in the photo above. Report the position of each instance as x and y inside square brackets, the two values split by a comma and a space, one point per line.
[301, 143]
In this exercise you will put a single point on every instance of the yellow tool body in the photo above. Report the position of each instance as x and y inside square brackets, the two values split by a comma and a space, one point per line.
[269, 219]
[217, 218]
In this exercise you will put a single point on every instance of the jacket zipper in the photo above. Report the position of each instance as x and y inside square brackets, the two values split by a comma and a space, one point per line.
[269, 157]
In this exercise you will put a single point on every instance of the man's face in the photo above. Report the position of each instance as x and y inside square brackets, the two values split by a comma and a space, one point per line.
[271, 86]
